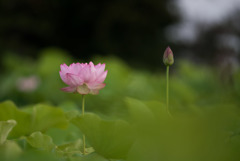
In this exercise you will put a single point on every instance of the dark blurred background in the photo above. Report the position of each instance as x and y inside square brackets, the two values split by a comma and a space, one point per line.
[36, 36]
[137, 31]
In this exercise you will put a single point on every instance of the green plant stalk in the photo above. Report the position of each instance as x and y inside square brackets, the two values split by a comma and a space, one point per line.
[167, 90]
[83, 108]
[83, 104]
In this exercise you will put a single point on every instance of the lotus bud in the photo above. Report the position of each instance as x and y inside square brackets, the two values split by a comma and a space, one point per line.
[168, 57]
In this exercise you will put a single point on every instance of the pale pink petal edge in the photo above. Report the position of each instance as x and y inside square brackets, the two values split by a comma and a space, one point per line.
[69, 89]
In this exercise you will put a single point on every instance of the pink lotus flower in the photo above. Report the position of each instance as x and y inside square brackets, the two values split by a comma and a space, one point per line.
[83, 78]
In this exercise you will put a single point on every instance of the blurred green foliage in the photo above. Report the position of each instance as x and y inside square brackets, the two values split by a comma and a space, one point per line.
[127, 121]
[111, 139]
[27, 82]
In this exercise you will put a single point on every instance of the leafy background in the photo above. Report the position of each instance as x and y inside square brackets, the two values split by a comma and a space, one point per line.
[126, 121]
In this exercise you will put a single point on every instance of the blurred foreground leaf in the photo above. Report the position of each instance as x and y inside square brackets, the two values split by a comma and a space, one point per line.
[40, 141]
[8, 110]
[52, 116]
[40, 118]
[111, 139]
[213, 135]
[5, 128]
[33, 155]
[90, 157]
[9, 150]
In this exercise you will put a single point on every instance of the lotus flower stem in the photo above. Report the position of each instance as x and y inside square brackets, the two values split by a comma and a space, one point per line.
[83, 104]
[83, 108]
[167, 89]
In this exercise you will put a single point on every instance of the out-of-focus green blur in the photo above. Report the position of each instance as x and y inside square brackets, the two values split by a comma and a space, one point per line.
[132, 122]
[192, 86]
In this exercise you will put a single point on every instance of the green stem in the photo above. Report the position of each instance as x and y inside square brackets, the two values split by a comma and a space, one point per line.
[167, 90]
[83, 104]
[84, 145]
[83, 108]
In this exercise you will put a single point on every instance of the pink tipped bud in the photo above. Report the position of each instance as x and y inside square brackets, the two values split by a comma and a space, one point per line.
[168, 57]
